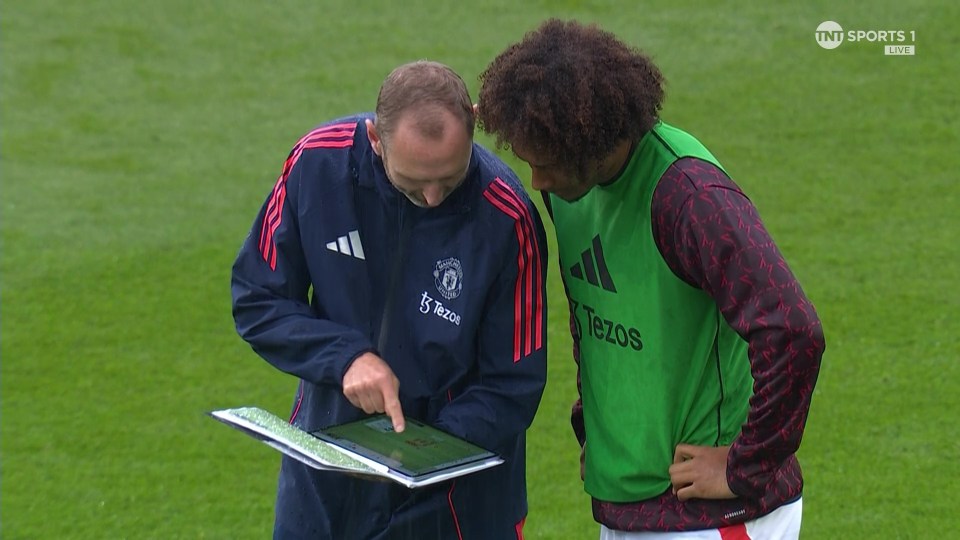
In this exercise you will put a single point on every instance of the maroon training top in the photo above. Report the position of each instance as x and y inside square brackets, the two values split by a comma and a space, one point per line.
[710, 235]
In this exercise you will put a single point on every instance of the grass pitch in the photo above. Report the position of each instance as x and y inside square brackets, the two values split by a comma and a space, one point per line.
[138, 142]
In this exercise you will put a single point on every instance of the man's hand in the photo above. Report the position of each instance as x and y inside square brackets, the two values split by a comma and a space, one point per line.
[700, 472]
[370, 384]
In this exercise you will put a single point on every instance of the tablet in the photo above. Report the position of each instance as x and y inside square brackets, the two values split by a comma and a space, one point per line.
[419, 451]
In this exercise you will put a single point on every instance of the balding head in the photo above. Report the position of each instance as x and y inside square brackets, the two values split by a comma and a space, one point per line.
[423, 131]
[425, 90]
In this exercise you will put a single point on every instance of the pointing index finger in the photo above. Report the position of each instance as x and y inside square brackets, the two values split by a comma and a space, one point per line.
[395, 412]
[391, 406]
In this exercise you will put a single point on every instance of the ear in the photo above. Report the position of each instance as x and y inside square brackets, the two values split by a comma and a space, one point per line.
[476, 110]
[374, 137]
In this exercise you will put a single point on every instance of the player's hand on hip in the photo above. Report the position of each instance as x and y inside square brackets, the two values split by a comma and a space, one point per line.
[700, 472]
[371, 385]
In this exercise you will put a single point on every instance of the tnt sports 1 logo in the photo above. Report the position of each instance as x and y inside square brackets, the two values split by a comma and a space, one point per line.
[831, 35]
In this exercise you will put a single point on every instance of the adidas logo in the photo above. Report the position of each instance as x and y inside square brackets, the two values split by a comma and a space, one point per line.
[348, 245]
[595, 274]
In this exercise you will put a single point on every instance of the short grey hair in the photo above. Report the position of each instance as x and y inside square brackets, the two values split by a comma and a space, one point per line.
[419, 84]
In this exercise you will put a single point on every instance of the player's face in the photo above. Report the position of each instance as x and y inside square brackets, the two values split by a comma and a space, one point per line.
[425, 169]
[549, 175]
[554, 176]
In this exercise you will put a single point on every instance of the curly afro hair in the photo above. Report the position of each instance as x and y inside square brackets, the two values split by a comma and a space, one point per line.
[569, 92]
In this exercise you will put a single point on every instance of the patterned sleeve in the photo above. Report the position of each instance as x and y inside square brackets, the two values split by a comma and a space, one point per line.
[711, 236]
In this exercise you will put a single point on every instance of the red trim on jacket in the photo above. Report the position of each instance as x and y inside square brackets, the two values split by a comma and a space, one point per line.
[453, 511]
[333, 136]
[528, 310]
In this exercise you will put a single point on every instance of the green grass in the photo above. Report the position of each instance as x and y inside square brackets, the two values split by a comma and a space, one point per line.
[138, 141]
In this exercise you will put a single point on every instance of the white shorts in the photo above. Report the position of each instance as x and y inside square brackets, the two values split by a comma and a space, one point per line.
[781, 524]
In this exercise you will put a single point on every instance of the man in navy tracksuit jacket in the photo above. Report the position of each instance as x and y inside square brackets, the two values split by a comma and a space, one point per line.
[347, 262]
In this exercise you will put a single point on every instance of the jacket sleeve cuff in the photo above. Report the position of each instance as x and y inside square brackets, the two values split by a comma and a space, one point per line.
[747, 479]
[348, 361]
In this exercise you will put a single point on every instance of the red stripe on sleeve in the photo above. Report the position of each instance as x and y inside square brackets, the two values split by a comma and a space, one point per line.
[526, 300]
[535, 292]
[271, 205]
[275, 225]
[528, 308]
[346, 130]
[517, 310]
[330, 143]
[335, 136]
[332, 136]
[274, 213]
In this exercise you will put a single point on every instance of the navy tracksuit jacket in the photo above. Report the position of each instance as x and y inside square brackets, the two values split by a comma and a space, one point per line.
[453, 298]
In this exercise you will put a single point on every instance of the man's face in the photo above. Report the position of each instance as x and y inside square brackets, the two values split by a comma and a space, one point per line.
[549, 175]
[425, 169]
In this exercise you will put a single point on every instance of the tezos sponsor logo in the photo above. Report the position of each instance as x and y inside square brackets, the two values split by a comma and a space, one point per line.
[603, 329]
[428, 304]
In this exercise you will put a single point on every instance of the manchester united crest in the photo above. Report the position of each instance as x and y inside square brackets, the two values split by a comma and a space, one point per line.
[448, 275]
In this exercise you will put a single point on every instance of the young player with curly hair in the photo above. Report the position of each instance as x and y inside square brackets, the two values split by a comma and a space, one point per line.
[697, 349]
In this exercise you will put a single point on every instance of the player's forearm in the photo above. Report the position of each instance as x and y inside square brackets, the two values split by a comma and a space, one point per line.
[290, 337]
[779, 408]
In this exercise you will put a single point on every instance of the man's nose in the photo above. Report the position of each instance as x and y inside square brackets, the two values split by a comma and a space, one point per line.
[434, 195]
